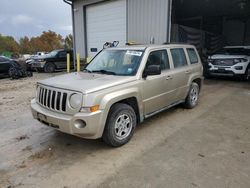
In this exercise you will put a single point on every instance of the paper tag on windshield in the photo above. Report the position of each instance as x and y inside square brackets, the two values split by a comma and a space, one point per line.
[134, 53]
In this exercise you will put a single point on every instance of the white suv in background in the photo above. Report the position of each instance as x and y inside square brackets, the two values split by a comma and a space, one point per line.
[230, 61]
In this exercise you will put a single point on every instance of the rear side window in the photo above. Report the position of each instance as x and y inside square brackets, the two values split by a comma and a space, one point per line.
[159, 57]
[179, 57]
[192, 56]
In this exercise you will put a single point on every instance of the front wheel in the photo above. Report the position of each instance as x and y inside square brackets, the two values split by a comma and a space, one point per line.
[193, 96]
[120, 125]
[49, 68]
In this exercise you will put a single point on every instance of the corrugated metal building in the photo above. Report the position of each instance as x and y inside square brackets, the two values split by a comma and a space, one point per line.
[100, 21]
[207, 24]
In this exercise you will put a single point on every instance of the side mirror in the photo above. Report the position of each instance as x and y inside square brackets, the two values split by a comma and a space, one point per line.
[152, 70]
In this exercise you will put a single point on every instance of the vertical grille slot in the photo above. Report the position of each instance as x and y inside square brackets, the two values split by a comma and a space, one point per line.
[45, 97]
[58, 100]
[64, 101]
[42, 96]
[49, 99]
[39, 96]
[53, 100]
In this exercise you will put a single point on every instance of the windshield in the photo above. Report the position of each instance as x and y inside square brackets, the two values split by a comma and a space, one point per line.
[116, 62]
[51, 54]
[233, 51]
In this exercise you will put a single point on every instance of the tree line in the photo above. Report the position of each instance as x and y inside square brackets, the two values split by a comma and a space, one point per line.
[47, 41]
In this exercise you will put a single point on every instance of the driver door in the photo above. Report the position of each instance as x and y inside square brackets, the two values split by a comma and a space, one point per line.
[157, 90]
[61, 62]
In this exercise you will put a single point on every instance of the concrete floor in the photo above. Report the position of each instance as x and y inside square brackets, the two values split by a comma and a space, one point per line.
[208, 146]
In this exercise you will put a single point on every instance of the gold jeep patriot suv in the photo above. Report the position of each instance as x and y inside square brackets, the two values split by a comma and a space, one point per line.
[119, 89]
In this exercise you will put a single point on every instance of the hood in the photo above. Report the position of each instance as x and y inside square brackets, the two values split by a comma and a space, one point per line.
[86, 82]
[224, 56]
[43, 57]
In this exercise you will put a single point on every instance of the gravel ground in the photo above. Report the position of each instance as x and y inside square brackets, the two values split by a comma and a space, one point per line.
[208, 146]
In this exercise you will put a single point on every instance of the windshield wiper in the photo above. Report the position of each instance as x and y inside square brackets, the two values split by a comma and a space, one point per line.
[89, 71]
[104, 72]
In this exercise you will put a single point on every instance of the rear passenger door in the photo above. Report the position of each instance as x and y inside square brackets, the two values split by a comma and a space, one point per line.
[181, 72]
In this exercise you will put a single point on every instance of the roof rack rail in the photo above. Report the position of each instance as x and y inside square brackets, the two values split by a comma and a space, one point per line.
[165, 43]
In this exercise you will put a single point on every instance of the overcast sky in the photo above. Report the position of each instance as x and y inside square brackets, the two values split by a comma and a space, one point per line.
[20, 18]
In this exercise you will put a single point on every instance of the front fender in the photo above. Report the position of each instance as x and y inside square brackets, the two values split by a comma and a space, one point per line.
[112, 98]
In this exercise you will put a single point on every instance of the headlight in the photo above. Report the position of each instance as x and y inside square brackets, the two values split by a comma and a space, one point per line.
[236, 60]
[75, 101]
[244, 60]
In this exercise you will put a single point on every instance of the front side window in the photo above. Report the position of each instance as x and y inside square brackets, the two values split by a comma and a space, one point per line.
[192, 56]
[116, 62]
[62, 55]
[159, 57]
[52, 54]
[179, 57]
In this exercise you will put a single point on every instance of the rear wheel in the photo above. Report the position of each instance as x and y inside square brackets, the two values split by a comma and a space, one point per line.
[120, 125]
[193, 96]
[49, 68]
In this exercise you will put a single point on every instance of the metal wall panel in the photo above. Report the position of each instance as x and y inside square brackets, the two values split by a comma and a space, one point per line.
[105, 22]
[79, 16]
[145, 19]
[148, 18]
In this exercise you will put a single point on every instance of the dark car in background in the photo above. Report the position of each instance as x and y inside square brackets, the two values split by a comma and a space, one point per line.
[13, 69]
[5, 66]
[55, 60]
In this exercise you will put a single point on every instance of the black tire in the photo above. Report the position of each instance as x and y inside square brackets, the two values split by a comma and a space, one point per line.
[29, 74]
[193, 96]
[13, 73]
[49, 67]
[121, 116]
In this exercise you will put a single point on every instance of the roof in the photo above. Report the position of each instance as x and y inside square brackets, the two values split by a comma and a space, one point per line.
[230, 47]
[152, 46]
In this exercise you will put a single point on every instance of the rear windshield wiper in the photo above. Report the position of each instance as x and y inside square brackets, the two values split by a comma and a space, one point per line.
[104, 72]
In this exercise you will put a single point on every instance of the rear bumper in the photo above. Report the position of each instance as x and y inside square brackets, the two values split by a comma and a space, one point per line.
[67, 123]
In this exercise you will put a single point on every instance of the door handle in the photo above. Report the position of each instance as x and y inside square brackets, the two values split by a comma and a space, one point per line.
[188, 72]
[169, 78]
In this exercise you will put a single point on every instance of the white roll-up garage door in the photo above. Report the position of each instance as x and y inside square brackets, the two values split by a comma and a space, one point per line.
[105, 22]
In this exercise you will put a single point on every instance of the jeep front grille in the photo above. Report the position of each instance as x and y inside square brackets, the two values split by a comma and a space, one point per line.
[54, 99]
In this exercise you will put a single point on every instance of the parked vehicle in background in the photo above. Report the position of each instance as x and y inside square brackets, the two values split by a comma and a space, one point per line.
[26, 56]
[55, 60]
[230, 61]
[30, 60]
[11, 68]
[118, 89]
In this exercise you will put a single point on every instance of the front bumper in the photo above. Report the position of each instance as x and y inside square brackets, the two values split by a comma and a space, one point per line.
[227, 70]
[66, 123]
[37, 64]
